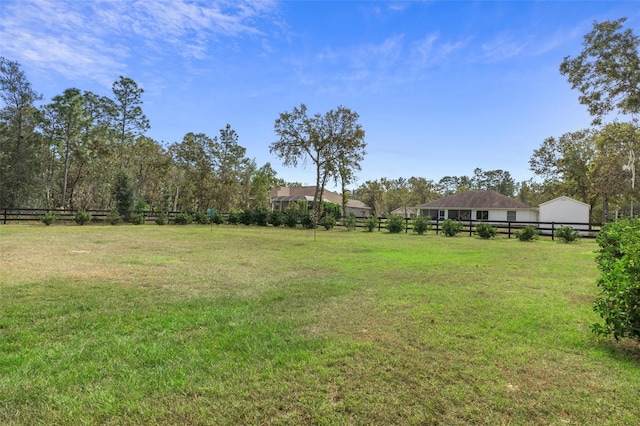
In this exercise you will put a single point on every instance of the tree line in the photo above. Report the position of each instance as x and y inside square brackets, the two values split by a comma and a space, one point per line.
[83, 150]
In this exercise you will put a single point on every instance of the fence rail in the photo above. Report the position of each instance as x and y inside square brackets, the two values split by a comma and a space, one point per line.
[469, 226]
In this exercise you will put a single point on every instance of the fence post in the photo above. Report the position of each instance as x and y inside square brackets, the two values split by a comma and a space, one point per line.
[509, 231]
[5, 217]
[553, 230]
[437, 225]
[470, 227]
[379, 224]
[406, 225]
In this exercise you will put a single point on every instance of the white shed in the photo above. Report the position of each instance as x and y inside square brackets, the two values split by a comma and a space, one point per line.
[565, 210]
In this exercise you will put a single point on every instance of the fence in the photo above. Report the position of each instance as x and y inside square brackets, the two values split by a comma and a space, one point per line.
[469, 226]
[64, 215]
[508, 228]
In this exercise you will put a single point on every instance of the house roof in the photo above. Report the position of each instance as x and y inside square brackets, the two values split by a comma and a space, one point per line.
[476, 200]
[295, 193]
[565, 198]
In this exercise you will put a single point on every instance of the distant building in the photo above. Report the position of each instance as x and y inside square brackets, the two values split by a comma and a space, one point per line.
[283, 196]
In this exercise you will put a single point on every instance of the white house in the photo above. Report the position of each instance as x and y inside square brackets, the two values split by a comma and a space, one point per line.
[565, 211]
[479, 205]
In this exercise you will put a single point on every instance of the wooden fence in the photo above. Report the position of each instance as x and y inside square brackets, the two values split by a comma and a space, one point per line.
[468, 226]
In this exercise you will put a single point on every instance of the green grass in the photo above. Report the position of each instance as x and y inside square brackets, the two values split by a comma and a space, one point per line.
[246, 325]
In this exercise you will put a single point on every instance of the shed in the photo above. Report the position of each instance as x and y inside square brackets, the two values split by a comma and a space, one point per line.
[565, 210]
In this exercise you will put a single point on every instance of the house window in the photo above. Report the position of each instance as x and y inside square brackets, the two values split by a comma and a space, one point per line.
[482, 215]
[511, 216]
[460, 214]
[433, 214]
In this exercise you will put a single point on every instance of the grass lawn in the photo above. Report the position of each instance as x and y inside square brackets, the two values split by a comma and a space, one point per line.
[246, 325]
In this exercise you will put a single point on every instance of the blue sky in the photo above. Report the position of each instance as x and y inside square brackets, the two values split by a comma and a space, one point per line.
[441, 87]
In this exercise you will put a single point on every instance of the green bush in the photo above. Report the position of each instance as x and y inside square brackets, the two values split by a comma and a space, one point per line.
[81, 217]
[329, 221]
[261, 216]
[49, 218]
[350, 222]
[451, 228]
[114, 217]
[201, 218]
[291, 218]
[371, 223]
[306, 220]
[217, 218]
[421, 224]
[233, 218]
[183, 219]
[528, 233]
[567, 234]
[395, 224]
[331, 209]
[162, 219]
[246, 217]
[276, 218]
[137, 218]
[619, 262]
[486, 231]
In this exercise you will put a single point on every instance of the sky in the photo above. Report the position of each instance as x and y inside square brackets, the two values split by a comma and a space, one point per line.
[441, 87]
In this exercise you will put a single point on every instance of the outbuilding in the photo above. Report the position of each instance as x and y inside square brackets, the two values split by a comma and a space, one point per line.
[565, 211]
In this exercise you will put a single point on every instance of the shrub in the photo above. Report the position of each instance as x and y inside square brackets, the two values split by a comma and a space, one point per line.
[528, 233]
[233, 218]
[331, 209]
[276, 218]
[619, 262]
[291, 218]
[306, 220]
[328, 221]
[567, 234]
[421, 224]
[451, 227]
[114, 217]
[217, 218]
[137, 218]
[261, 216]
[49, 218]
[246, 217]
[486, 231]
[350, 222]
[82, 217]
[395, 223]
[201, 218]
[371, 223]
[162, 219]
[183, 219]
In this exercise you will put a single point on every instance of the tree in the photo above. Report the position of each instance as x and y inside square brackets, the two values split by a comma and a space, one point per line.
[494, 180]
[611, 178]
[566, 163]
[22, 150]
[130, 121]
[607, 71]
[330, 141]
[196, 156]
[232, 169]
[372, 194]
[66, 123]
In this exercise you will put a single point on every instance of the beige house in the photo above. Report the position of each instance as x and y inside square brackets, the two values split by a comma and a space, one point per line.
[283, 196]
[479, 205]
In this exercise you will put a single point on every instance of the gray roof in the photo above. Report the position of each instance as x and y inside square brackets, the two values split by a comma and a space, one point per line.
[475, 200]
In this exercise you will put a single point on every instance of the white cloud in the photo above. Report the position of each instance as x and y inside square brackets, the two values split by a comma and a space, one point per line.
[95, 39]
